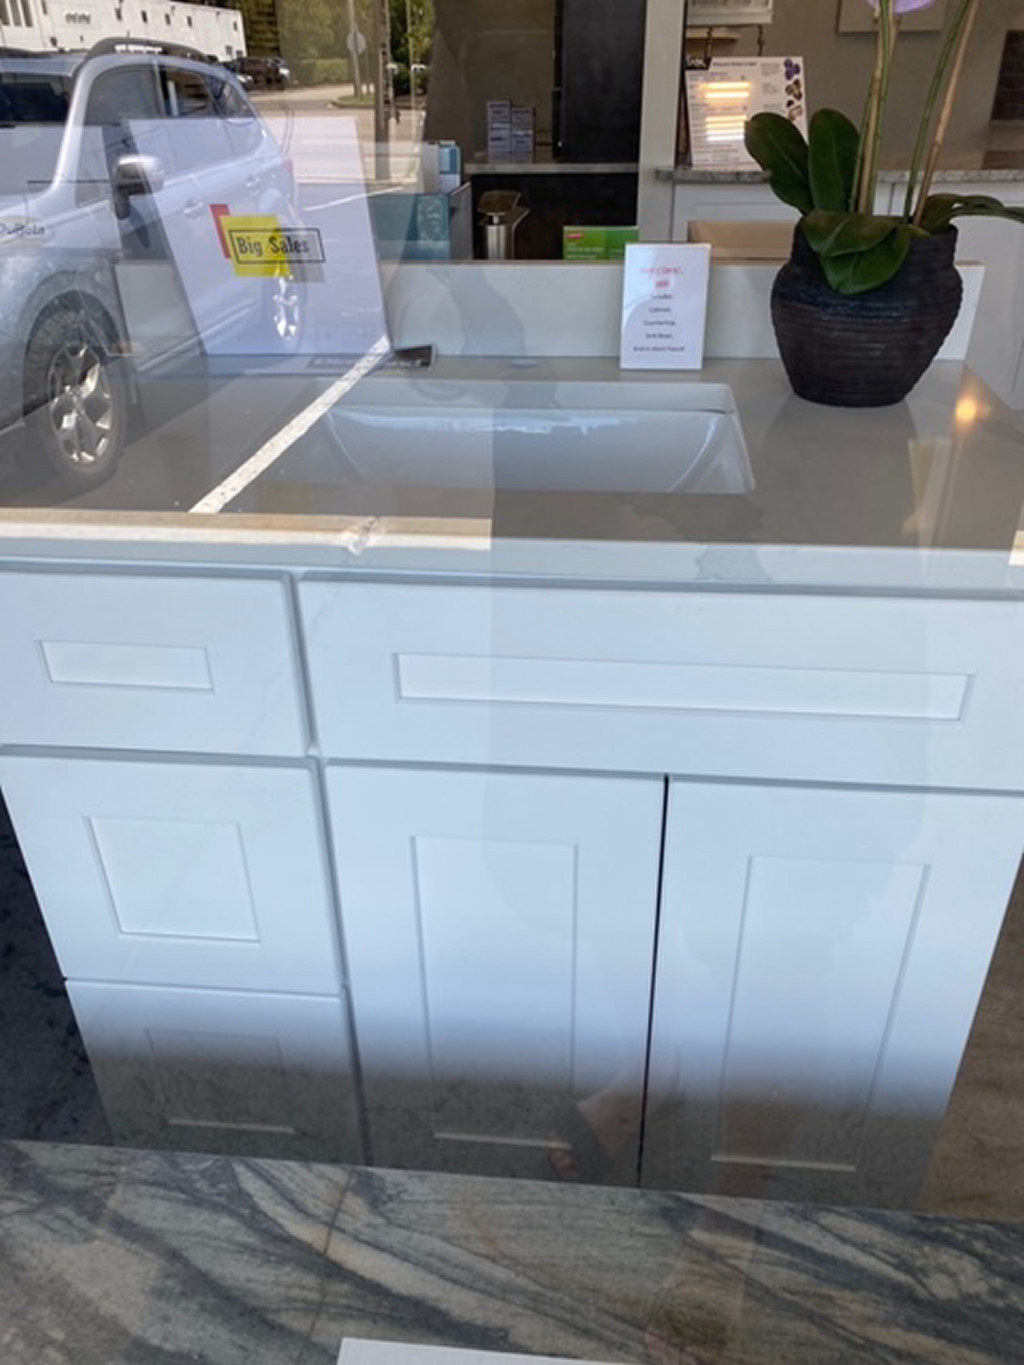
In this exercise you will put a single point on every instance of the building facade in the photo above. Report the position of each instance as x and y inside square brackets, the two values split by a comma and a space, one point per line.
[71, 25]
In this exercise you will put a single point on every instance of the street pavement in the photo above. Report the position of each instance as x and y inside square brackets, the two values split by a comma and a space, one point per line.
[301, 119]
[197, 428]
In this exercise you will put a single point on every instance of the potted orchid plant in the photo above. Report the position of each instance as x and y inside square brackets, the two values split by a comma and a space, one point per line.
[867, 298]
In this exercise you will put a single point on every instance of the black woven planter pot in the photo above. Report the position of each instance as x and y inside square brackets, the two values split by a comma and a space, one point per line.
[866, 350]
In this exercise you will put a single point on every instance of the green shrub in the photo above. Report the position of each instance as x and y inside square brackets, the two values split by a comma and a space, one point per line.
[401, 80]
[320, 70]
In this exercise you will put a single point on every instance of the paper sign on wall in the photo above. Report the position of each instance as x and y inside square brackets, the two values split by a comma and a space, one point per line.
[721, 99]
[664, 306]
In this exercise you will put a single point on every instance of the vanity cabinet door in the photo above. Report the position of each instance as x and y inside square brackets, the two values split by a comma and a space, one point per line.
[245, 1073]
[190, 908]
[820, 959]
[178, 874]
[499, 929]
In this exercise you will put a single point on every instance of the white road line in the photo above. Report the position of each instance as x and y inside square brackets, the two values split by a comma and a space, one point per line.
[357, 197]
[335, 203]
[218, 498]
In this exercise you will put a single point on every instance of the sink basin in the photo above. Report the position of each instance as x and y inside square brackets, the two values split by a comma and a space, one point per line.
[581, 435]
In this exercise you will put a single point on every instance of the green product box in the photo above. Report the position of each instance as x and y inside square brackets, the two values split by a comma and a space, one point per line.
[597, 243]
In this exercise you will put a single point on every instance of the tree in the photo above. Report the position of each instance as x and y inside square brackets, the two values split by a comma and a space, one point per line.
[412, 34]
[260, 20]
[308, 28]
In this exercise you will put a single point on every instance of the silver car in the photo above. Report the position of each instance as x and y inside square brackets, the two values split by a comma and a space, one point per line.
[121, 175]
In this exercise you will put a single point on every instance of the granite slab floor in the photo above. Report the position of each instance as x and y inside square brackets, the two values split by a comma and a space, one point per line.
[46, 1087]
[47, 1092]
[109, 1257]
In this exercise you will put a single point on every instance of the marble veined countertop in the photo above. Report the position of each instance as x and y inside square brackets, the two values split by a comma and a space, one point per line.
[112, 1257]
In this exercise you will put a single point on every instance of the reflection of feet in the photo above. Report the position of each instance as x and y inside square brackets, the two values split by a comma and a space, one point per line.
[563, 1163]
[663, 1352]
[580, 1156]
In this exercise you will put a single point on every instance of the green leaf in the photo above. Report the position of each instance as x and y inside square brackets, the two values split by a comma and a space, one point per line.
[941, 209]
[860, 271]
[839, 234]
[780, 149]
[938, 210]
[832, 160]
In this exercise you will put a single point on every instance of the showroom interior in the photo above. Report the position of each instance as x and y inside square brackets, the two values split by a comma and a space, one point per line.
[507, 844]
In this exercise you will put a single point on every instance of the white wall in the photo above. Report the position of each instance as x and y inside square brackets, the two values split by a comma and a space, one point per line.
[839, 67]
[75, 24]
[489, 50]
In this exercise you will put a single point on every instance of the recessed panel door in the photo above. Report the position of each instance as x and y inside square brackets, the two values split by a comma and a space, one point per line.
[246, 1073]
[821, 955]
[177, 873]
[499, 931]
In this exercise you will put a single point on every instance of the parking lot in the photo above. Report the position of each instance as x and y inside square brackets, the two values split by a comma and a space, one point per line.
[217, 433]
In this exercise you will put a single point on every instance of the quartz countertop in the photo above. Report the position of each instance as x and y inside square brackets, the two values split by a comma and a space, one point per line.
[112, 1257]
[926, 495]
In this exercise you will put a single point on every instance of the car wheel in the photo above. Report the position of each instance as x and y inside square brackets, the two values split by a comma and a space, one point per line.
[77, 400]
[284, 313]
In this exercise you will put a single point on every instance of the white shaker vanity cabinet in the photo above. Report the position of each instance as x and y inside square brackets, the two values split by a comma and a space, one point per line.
[839, 843]
[791, 816]
[423, 840]
[154, 770]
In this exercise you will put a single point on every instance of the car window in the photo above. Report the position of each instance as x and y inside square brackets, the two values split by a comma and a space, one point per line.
[123, 94]
[28, 156]
[120, 120]
[243, 125]
[26, 100]
[32, 116]
[198, 134]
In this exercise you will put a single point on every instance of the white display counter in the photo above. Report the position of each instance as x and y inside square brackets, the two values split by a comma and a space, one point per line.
[420, 833]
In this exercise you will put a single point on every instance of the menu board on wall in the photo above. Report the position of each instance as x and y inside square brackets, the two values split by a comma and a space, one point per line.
[708, 13]
[732, 89]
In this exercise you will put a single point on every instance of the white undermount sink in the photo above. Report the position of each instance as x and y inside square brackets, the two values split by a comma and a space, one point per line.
[627, 436]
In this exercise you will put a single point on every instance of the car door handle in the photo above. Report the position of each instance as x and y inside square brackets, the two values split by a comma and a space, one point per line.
[194, 208]
[253, 183]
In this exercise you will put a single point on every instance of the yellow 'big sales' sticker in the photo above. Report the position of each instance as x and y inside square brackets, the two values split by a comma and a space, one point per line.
[256, 244]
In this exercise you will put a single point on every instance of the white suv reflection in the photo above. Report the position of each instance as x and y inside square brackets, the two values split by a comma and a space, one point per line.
[121, 173]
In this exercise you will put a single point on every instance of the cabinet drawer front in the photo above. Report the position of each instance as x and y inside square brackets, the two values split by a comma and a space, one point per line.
[178, 874]
[228, 1071]
[839, 688]
[122, 661]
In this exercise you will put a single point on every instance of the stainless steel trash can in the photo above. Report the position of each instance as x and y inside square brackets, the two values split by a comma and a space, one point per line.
[501, 213]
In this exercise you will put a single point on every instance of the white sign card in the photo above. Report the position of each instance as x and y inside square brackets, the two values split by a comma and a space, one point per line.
[732, 89]
[358, 1351]
[664, 306]
[308, 264]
